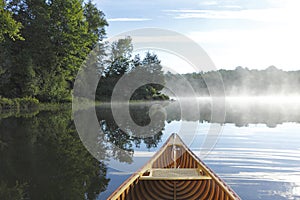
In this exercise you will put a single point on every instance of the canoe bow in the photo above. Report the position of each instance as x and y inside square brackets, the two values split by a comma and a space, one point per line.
[174, 172]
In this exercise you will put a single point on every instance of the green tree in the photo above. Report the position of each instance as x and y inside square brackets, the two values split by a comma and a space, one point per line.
[120, 57]
[96, 22]
[151, 68]
[59, 34]
[8, 26]
[119, 63]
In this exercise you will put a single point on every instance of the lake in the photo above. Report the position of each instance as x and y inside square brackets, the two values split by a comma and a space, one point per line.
[256, 148]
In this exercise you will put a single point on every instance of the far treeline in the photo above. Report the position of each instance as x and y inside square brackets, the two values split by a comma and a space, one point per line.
[237, 82]
[43, 44]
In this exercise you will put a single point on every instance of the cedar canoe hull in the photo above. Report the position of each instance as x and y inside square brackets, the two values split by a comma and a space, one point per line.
[158, 179]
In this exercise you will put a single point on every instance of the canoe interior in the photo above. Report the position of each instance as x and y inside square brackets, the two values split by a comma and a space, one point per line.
[174, 173]
[181, 190]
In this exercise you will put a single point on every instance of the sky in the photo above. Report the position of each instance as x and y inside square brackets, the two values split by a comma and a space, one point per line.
[254, 33]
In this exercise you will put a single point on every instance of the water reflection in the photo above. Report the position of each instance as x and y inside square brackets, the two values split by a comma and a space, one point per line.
[123, 143]
[240, 112]
[257, 156]
[266, 164]
[42, 157]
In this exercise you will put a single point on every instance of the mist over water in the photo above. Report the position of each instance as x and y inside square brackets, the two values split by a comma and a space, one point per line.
[242, 111]
[238, 82]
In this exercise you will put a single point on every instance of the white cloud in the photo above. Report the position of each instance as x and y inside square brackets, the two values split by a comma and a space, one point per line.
[284, 11]
[268, 15]
[128, 19]
[231, 6]
[209, 3]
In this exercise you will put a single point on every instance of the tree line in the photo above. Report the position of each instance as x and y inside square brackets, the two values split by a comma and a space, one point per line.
[238, 82]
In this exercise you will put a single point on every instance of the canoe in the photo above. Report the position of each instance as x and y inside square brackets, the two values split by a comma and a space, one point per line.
[174, 172]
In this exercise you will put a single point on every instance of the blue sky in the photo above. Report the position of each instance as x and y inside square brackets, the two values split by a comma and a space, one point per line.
[253, 33]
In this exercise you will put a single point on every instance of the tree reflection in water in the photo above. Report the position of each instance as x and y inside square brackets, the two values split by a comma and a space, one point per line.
[42, 157]
[124, 142]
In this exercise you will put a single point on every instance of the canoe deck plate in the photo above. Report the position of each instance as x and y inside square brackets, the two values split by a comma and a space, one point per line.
[175, 174]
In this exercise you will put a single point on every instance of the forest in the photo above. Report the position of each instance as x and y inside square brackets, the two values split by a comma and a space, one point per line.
[41, 57]
[43, 44]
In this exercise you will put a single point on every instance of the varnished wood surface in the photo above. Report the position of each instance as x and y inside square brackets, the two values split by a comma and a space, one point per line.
[144, 184]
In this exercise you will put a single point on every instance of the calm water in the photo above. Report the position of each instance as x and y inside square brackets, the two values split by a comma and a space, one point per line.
[257, 152]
